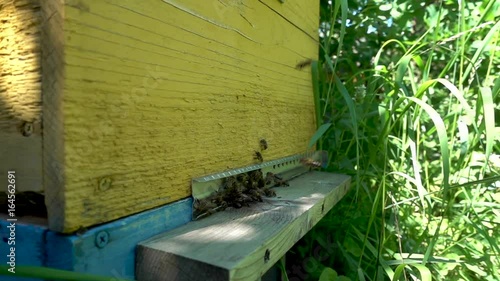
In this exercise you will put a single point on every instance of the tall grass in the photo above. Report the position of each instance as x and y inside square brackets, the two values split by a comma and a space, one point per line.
[420, 139]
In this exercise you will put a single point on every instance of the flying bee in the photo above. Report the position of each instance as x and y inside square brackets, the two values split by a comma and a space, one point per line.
[309, 162]
[263, 144]
[258, 156]
[303, 64]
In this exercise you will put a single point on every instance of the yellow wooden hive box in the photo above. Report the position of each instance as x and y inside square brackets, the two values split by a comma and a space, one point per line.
[139, 97]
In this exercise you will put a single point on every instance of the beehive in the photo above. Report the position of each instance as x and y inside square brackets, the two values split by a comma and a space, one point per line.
[140, 97]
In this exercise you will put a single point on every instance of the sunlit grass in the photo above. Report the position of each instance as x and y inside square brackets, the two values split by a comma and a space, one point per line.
[422, 144]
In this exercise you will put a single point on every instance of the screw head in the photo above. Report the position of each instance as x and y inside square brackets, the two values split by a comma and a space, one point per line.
[104, 184]
[27, 129]
[101, 239]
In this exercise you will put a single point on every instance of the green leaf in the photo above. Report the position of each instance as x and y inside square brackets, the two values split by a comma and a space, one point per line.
[402, 67]
[442, 136]
[425, 273]
[319, 133]
[399, 270]
[328, 274]
[316, 94]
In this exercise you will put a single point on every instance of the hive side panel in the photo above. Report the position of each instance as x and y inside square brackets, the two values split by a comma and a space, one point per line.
[159, 92]
[52, 88]
[20, 94]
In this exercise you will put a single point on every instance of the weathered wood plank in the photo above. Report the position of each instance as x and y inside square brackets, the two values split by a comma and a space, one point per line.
[241, 244]
[20, 93]
[159, 92]
[54, 177]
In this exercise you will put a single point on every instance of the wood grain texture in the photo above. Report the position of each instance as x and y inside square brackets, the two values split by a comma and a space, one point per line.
[20, 93]
[53, 69]
[159, 92]
[241, 244]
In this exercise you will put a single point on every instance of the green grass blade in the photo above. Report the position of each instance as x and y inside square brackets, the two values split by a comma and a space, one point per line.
[401, 70]
[46, 273]
[442, 136]
[493, 31]
[425, 273]
[399, 270]
[316, 94]
[343, 24]
[489, 118]
[318, 134]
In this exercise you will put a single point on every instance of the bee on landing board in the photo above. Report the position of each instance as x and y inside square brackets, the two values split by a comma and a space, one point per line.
[276, 179]
[203, 208]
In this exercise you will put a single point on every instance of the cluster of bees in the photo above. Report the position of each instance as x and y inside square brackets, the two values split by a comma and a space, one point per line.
[240, 190]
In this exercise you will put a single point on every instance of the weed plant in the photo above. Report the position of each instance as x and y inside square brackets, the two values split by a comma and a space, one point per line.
[414, 114]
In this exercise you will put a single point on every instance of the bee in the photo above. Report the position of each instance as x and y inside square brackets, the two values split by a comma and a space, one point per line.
[218, 199]
[258, 156]
[81, 231]
[241, 200]
[281, 182]
[253, 185]
[269, 192]
[202, 208]
[230, 182]
[243, 178]
[303, 64]
[269, 178]
[255, 194]
[245, 199]
[276, 179]
[311, 163]
[263, 144]
[256, 175]
[261, 183]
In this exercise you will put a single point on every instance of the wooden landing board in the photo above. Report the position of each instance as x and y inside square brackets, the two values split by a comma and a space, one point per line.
[241, 244]
[146, 95]
[36, 245]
